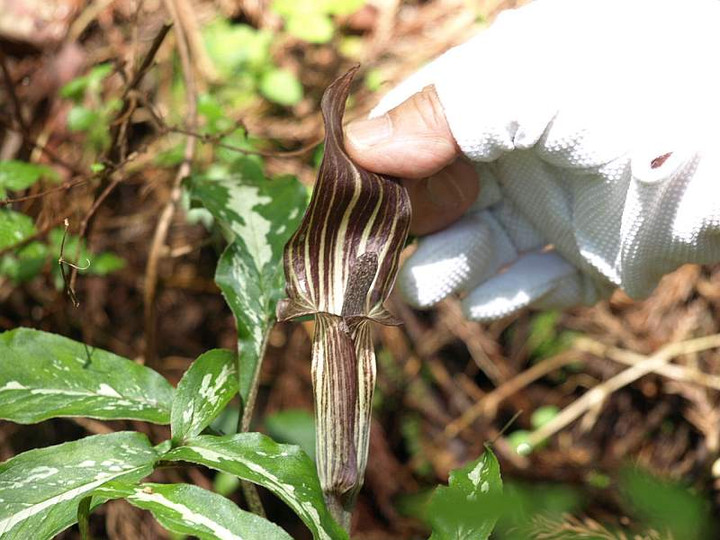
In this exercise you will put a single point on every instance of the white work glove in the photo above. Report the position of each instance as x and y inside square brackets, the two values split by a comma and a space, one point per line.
[595, 129]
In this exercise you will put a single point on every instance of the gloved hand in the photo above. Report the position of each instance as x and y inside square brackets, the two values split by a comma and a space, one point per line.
[594, 127]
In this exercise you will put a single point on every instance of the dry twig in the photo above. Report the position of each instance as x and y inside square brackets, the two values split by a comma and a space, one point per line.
[163, 225]
[601, 392]
[122, 119]
[488, 405]
[17, 107]
[671, 371]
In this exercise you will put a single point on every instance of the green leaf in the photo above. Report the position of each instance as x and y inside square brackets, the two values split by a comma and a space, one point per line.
[75, 89]
[190, 510]
[26, 263]
[164, 447]
[225, 484]
[105, 263]
[342, 7]
[374, 80]
[171, 157]
[283, 469]
[310, 20]
[543, 415]
[14, 227]
[98, 74]
[461, 510]
[214, 113]
[291, 8]
[281, 86]
[235, 48]
[17, 175]
[293, 426]
[251, 305]
[415, 505]
[311, 27]
[228, 157]
[41, 489]
[520, 441]
[81, 118]
[203, 392]
[523, 502]
[353, 47]
[259, 216]
[209, 107]
[545, 340]
[44, 375]
[83, 517]
[669, 507]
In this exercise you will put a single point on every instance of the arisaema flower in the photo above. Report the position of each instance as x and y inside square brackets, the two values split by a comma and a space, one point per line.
[340, 266]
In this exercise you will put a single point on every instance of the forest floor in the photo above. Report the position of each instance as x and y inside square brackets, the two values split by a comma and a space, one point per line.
[445, 386]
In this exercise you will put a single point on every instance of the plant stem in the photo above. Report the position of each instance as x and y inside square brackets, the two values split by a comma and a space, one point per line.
[252, 497]
[338, 511]
[250, 492]
[84, 518]
[247, 408]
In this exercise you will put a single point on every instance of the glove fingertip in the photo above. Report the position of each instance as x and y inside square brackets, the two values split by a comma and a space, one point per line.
[420, 286]
[447, 261]
[527, 281]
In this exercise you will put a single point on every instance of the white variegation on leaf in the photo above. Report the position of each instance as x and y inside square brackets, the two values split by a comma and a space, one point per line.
[44, 375]
[40, 490]
[258, 215]
[190, 510]
[203, 392]
[285, 470]
[469, 507]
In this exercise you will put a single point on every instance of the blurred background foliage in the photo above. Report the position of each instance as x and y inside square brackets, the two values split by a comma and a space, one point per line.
[82, 140]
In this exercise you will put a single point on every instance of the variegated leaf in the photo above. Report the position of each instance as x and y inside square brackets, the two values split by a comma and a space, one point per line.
[259, 215]
[204, 390]
[467, 509]
[44, 375]
[190, 510]
[283, 469]
[40, 490]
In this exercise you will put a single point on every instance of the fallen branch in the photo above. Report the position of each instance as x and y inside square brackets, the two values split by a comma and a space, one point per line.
[488, 405]
[671, 371]
[601, 392]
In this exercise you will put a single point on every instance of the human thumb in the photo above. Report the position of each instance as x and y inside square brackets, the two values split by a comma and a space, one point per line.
[413, 140]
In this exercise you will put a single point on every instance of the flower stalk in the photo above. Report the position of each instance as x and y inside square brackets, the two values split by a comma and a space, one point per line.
[340, 266]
